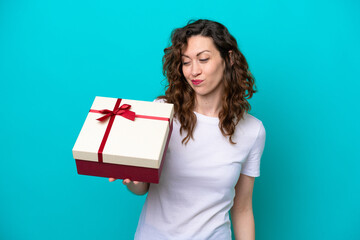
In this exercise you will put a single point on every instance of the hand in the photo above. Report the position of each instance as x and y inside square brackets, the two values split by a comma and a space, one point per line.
[138, 188]
[125, 181]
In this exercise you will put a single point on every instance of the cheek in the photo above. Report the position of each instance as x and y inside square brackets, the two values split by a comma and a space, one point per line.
[185, 71]
[216, 71]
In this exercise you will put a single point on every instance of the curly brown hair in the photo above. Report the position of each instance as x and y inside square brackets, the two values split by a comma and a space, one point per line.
[239, 83]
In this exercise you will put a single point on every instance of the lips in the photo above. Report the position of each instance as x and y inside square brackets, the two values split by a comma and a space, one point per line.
[197, 81]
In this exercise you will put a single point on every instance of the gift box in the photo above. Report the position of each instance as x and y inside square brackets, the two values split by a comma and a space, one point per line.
[124, 138]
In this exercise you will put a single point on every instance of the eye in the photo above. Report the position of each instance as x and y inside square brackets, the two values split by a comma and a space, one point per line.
[186, 63]
[204, 59]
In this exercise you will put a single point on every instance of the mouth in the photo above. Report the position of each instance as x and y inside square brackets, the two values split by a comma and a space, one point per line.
[197, 81]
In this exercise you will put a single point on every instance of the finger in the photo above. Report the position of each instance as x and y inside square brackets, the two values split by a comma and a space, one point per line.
[112, 179]
[136, 182]
[126, 181]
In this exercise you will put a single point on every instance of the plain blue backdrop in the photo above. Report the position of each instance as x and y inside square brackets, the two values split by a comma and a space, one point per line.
[56, 56]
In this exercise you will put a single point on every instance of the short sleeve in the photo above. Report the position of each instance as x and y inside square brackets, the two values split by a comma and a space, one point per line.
[159, 100]
[251, 166]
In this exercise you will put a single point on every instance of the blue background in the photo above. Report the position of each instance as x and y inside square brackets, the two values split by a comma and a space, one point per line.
[56, 56]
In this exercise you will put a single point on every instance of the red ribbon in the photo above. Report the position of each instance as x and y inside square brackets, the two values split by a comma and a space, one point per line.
[123, 111]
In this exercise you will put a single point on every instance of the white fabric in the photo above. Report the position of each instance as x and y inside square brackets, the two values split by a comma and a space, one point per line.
[196, 189]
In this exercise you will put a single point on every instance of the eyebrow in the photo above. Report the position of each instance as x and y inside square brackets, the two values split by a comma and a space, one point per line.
[196, 54]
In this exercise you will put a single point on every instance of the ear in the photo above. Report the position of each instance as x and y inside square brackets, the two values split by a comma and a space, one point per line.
[231, 57]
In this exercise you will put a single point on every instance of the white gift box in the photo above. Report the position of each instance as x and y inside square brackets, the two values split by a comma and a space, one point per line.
[130, 143]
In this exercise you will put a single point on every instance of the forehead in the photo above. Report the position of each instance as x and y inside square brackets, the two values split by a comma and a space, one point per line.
[197, 44]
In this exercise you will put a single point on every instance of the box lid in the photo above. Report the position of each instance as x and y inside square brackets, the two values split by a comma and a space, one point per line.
[137, 143]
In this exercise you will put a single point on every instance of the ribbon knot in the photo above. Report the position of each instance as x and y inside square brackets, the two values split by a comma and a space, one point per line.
[123, 111]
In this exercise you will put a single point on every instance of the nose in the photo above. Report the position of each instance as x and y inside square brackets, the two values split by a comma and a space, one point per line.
[196, 69]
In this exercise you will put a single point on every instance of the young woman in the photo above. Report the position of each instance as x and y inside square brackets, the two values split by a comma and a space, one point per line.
[215, 148]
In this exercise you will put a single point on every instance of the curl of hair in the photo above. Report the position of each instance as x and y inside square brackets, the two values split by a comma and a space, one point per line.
[239, 84]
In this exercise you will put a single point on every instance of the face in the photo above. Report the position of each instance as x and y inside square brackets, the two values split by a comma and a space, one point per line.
[203, 66]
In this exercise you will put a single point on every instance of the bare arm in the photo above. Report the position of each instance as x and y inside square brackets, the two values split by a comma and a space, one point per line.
[242, 213]
[138, 188]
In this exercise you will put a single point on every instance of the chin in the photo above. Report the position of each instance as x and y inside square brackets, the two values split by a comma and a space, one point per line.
[199, 92]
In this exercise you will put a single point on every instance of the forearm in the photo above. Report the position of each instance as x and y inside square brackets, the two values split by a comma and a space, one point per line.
[138, 188]
[243, 225]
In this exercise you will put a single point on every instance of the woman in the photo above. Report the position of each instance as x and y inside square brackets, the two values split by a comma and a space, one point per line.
[215, 149]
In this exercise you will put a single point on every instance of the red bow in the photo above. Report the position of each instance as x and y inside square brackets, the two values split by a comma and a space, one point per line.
[123, 111]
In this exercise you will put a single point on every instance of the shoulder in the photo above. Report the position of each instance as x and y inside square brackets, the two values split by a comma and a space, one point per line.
[251, 125]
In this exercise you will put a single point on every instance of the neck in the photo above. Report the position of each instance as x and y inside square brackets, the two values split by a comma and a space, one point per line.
[208, 105]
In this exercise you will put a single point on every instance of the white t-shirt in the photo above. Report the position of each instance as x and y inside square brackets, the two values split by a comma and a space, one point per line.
[196, 188]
